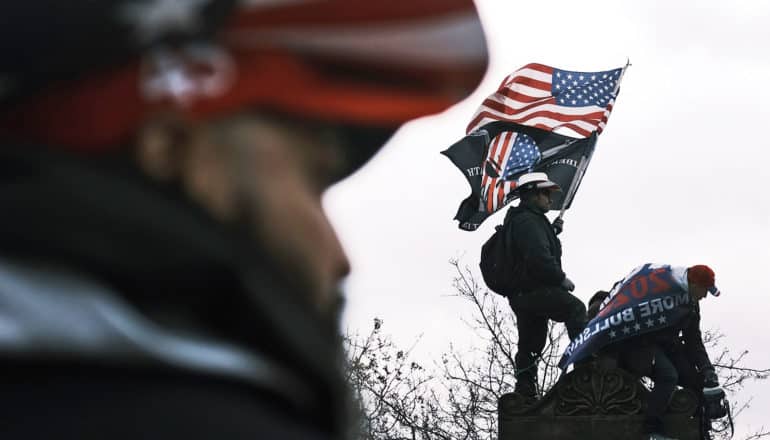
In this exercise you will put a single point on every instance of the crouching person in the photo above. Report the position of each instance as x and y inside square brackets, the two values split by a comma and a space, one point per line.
[651, 320]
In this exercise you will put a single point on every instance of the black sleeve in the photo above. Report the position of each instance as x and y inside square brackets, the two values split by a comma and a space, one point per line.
[693, 342]
[541, 265]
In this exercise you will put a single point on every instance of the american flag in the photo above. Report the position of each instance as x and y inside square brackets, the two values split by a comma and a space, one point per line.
[510, 154]
[571, 103]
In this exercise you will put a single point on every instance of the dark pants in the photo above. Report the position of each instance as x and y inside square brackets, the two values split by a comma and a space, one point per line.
[533, 310]
[667, 368]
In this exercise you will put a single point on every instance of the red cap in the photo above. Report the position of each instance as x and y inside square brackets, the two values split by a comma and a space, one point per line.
[374, 64]
[702, 275]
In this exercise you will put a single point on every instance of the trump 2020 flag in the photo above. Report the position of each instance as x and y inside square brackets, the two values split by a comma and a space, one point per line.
[652, 297]
[540, 119]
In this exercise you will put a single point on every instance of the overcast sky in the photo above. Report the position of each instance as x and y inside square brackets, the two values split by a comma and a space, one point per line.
[679, 175]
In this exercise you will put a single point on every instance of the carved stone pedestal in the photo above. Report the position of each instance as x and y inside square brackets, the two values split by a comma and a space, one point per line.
[592, 403]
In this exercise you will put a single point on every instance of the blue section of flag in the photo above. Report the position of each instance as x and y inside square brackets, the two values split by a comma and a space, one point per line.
[581, 89]
[649, 299]
[523, 157]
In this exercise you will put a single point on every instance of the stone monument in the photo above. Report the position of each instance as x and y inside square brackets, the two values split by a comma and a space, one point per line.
[592, 402]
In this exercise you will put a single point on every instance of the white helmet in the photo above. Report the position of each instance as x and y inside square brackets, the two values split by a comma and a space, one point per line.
[536, 181]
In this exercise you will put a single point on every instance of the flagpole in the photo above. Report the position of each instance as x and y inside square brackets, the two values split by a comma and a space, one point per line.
[573, 186]
[553, 151]
[620, 78]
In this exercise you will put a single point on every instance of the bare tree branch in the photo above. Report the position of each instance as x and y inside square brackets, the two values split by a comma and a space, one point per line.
[457, 398]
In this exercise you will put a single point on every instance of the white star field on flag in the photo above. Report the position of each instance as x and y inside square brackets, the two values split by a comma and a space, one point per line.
[574, 89]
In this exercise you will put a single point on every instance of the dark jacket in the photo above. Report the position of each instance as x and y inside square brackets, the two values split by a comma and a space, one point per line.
[108, 279]
[531, 236]
[684, 337]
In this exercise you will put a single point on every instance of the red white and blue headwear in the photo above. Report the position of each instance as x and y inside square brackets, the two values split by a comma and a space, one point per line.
[84, 74]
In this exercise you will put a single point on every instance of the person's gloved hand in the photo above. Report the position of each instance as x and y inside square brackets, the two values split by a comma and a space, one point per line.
[568, 284]
[710, 379]
[558, 225]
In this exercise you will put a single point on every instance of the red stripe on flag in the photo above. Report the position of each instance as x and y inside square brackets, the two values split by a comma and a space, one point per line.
[506, 143]
[508, 138]
[607, 113]
[493, 150]
[508, 110]
[530, 82]
[593, 117]
[539, 67]
[502, 142]
[589, 118]
[582, 131]
[491, 159]
[521, 97]
[484, 179]
[505, 81]
[490, 195]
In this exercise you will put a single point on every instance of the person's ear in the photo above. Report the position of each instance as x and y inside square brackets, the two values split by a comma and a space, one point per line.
[161, 145]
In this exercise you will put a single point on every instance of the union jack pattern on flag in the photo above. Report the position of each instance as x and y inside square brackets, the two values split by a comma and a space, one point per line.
[574, 104]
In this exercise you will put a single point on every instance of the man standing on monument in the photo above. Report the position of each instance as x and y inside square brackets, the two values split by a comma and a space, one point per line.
[543, 291]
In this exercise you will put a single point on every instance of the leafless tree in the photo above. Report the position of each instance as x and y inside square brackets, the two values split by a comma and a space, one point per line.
[456, 398]
[393, 396]
[734, 376]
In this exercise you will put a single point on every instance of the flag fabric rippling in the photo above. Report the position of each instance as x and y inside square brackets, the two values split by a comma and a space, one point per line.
[540, 119]
[650, 298]
[492, 167]
[572, 103]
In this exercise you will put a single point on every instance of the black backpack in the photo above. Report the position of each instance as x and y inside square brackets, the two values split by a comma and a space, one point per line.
[499, 268]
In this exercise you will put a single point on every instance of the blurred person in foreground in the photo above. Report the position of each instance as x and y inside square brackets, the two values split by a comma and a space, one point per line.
[166, 267]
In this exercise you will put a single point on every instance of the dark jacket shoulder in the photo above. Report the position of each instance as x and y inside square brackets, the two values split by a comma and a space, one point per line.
[530, 234]
[684, 336]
